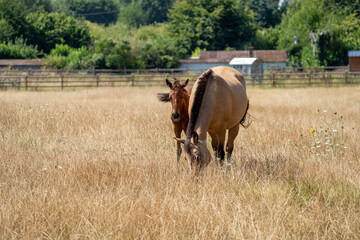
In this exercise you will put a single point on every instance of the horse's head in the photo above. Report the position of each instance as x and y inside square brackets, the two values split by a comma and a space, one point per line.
[178, 97]
[196, 152]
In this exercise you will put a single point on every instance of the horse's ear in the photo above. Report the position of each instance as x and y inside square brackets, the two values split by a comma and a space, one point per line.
[195, 137]
[180, 140]
[169, 84]
[163, 97]
[185, 83]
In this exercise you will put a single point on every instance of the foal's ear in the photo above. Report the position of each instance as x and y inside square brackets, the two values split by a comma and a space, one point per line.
[169, 84]
[180, 140]
[185, 83]
[195, 137]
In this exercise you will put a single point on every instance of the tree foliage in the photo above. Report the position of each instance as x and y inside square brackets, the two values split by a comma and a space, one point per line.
[156, 47]
[335, 31]
[211, 25]
[13, 20]
[138, 13]
[267, 13]
[57, 28]
[38, 5]
[98, 11]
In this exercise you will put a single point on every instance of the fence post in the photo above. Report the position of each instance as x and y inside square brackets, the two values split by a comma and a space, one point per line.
[273, 79]
[133, 80]
[97, 80]
[62, 81]
[18, 80]
[310, 78]
[26, 82]
[346, 77]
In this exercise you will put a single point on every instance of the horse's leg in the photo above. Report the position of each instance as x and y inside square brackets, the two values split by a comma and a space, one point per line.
[217, 143]
[177, 131]
[233, 132]
[214, 145]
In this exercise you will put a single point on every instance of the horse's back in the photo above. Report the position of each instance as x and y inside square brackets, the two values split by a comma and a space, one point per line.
[230, 93]
[231, 75]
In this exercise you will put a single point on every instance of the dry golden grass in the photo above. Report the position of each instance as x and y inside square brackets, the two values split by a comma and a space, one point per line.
[100, 164]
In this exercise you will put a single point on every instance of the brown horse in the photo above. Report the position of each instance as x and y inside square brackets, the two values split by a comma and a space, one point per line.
[179, 97]
[218, 103]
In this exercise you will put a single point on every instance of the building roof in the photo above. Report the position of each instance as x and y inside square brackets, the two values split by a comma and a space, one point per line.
[281, 2]
[227, 56]
[21, 62]
[354, 54]
[243, 61]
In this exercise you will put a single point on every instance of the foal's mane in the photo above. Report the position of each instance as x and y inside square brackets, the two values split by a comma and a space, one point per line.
[177, 84]
[198, 98]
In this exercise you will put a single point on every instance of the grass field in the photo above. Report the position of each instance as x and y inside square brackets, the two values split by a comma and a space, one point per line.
[100, 164]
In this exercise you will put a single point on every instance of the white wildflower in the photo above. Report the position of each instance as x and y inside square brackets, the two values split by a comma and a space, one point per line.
[58, 167]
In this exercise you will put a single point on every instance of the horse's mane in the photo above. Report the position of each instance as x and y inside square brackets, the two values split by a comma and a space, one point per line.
[195, 108]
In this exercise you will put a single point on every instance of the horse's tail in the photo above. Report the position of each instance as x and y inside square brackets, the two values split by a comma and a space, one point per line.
[198, 98]
[163, 97]
[246, 117]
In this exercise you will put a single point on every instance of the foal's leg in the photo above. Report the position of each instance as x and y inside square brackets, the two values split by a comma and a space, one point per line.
[233, 132]
[177, 131]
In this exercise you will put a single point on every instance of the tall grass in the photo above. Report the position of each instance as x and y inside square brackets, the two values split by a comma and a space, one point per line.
[101, 164]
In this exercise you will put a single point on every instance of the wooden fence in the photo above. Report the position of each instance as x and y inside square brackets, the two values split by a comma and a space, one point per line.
[69, 80]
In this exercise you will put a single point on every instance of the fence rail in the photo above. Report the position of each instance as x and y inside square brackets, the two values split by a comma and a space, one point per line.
[25, 81]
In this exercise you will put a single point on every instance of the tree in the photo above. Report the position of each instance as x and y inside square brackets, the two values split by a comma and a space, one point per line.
[334, 30]
[156, 47]
[336, 40]
[302, 17]
[349, 6]
[38, 5]
[331, 50]
[211, 25]
[156, 10]
[138, 13]
[267, 13]
[13, 19]
[133, 15]
[98, 11]
[57, 28]
[6, 30]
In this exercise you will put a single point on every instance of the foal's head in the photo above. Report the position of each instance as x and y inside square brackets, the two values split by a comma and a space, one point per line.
[179, 98]
[196, 151]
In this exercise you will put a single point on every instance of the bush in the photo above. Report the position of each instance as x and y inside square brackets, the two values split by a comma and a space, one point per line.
[307, 57]
[18, 50]
[58, 62]
[65, 57]
[61, 50]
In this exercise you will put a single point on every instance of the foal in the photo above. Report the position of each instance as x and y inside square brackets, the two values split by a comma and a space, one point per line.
[179, 97]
